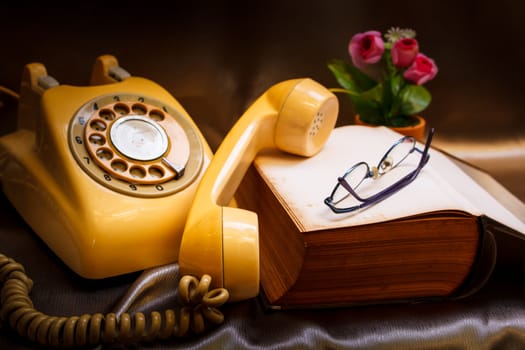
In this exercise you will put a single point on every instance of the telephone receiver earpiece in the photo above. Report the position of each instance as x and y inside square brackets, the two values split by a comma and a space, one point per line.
[295, 116]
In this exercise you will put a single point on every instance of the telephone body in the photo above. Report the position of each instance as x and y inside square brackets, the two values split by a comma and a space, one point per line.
[104, 174]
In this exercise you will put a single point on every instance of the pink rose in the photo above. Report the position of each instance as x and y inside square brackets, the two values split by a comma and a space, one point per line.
[404, 51]
[422, 70]
[366, 48]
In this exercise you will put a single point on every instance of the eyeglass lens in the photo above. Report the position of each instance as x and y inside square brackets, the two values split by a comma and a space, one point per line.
[396, 154]
[356, 175]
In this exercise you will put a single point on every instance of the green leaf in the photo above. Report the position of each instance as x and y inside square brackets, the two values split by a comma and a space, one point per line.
[374, 94]
[414, 99]
[393, 105]
[402, 121]
[349, 77]
[368, 105]
[396, 83]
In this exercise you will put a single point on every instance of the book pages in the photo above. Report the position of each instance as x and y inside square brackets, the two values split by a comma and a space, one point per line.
[301, 184]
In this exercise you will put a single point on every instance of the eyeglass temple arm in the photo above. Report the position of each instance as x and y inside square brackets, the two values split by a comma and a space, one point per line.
[424, 156]
[383, 194]
[338, 210]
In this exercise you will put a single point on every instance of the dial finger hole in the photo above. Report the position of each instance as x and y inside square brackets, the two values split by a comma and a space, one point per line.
[97, 139]
[164, 133]
[137, 172]
[107, 114]
[121, 109]
[98, 125]
[156, 172]
[119, 166]
[156, 115]
[104, 154]
[139, 109]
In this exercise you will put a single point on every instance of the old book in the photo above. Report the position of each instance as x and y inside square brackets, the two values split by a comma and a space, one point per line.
[432, 239]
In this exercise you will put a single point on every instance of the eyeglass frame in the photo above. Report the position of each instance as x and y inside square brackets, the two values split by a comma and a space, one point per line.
[374, 173]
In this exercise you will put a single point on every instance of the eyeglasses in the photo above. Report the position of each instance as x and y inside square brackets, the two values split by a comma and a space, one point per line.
[349, 193]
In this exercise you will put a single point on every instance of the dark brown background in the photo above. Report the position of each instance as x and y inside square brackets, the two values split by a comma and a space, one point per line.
[216, 59]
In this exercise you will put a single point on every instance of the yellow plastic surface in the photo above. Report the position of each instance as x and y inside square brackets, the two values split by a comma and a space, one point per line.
[96, 231]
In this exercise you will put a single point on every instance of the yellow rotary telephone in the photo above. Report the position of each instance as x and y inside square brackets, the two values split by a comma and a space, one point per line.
[115, 177]
[104, 174]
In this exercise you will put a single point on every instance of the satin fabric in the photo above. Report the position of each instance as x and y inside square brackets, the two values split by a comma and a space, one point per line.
[216, 60]
[493, 318]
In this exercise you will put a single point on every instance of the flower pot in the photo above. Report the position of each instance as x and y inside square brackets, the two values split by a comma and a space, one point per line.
[417, 130]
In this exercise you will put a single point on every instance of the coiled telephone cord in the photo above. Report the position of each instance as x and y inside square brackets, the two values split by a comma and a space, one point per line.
[199, 304]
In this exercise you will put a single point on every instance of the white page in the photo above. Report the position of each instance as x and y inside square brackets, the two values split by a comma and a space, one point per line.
[303, 183]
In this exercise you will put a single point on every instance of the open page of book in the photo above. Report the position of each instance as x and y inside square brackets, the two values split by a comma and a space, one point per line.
[302, 184]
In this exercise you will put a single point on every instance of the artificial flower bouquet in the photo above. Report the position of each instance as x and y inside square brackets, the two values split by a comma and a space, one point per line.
[385, 79]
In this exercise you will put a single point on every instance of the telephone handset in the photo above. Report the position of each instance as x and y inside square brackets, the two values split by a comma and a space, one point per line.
[295, 116]
[104, 174]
